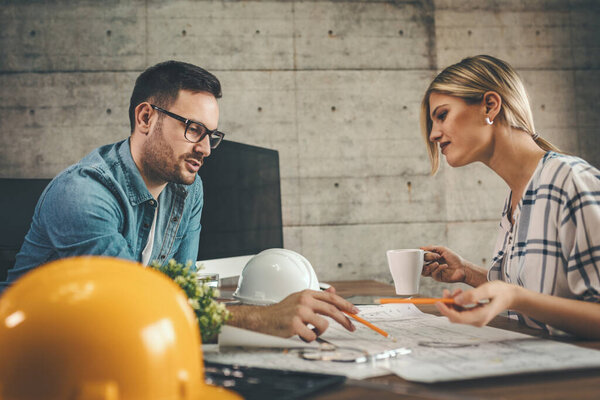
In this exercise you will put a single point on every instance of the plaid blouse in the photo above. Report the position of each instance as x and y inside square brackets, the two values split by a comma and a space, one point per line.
[554, 245]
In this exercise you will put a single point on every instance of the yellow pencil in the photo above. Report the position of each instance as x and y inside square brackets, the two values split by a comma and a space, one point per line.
[370, 325]
[417, 300]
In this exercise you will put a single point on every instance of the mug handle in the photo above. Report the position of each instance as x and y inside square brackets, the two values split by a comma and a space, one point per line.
[427, 262]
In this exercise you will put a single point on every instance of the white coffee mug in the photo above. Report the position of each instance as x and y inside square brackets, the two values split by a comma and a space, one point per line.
[406, 266]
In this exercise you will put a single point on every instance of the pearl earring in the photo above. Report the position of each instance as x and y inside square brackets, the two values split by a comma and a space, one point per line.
[487, 120]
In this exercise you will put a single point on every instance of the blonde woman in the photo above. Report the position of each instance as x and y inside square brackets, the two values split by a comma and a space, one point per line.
[546, 265]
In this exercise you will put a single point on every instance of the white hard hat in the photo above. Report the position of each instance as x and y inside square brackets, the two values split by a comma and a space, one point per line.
[272, 275]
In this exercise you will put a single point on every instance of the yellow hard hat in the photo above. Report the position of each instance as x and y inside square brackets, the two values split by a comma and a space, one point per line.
[99, 328]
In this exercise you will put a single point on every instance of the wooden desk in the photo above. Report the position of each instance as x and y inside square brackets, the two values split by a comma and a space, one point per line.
[584, 384]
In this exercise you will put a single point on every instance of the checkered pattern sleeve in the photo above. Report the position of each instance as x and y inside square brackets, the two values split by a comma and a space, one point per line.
[579, 229]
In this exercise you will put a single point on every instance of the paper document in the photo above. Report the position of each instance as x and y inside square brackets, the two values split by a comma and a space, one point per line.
[365, 338]
[225, 267]
[441, 351]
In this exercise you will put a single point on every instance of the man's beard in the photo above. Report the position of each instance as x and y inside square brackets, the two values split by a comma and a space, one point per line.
[161, 164]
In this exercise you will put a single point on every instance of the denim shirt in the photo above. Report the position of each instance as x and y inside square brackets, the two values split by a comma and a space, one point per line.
[101, 206]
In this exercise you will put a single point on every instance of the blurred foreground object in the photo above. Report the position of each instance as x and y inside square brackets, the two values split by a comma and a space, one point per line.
[210, 314]
[100, 328]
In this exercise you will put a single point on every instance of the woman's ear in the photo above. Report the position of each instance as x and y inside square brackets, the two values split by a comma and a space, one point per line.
[493, 104]
[142, 117]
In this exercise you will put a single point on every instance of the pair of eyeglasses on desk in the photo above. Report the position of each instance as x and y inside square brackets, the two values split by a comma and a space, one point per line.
[330, 352]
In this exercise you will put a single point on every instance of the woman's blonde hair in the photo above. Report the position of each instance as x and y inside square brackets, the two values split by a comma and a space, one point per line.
[470, 79]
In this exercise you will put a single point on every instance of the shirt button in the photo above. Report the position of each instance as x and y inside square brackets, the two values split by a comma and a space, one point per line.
[162, 257]
[146, 225]
[175, 219]
[151, 202]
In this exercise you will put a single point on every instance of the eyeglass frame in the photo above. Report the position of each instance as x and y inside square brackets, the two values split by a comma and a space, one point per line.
[189, 122]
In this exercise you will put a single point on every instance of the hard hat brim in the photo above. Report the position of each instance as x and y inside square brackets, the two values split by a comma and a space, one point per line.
[252, 301]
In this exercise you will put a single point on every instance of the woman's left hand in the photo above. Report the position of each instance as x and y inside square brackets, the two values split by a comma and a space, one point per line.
[479, 306]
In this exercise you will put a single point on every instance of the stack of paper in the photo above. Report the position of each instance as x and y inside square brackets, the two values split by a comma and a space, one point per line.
[440, 350]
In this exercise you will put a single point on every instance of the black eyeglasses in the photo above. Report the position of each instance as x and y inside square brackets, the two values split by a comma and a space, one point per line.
[195, 131]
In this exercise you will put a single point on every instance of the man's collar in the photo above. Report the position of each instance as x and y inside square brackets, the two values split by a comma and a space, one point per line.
[135, 187]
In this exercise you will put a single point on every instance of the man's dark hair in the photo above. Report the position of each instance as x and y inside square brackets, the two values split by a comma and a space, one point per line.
[162, 82]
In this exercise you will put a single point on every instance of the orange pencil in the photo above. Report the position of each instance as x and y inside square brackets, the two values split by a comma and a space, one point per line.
[370, 325]
[417, 300]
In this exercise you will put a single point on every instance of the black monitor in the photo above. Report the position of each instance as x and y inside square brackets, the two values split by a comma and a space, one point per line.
[242, 201]
[18, 198]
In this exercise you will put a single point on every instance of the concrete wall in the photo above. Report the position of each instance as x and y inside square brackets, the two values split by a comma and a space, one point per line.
[335, 86]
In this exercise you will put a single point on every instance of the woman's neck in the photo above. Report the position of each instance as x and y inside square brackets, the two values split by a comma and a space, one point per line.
[514, 157]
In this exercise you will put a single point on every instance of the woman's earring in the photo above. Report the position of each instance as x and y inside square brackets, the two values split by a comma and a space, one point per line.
[487, 120]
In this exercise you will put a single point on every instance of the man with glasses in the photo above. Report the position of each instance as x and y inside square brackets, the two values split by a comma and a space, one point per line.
[140, 198]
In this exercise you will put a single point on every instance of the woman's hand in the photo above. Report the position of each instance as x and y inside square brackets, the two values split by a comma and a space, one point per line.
[479, 306]
[445, 266]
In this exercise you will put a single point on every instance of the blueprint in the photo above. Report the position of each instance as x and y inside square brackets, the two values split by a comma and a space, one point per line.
[437, 350]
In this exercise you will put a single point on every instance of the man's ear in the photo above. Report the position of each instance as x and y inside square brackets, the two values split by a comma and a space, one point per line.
[143, 112]
[492, 103]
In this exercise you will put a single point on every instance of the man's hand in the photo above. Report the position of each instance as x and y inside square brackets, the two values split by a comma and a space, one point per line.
[292, 315]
